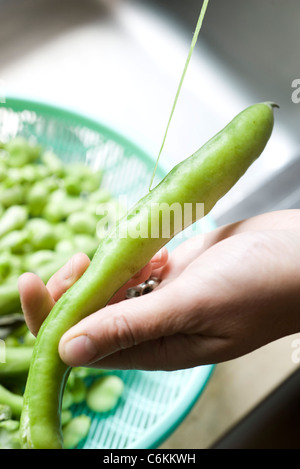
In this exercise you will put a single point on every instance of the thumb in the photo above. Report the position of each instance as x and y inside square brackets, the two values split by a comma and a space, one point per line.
[123, 325]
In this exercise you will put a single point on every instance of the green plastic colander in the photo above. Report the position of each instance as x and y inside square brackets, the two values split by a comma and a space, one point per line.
[153, 403]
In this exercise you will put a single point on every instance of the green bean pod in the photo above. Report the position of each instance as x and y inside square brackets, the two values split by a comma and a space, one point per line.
[202, 178]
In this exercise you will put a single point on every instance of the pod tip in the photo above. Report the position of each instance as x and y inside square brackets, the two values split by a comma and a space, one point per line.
[272, 104]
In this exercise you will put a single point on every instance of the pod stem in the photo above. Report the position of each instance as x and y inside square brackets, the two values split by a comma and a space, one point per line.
[194, 41]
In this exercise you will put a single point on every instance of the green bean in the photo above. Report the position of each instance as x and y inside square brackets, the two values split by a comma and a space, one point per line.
[51, 183]
[65, 245]
[66, 416]
[5, 265]
[78, 389]
[44, 238]
[20, 329]
[53, 163]
[75, 431]
[104, 393]
[13, 329]
[81, 178]
[82, 222]
[67, 400]
[85, 372]
[14, 218]
[63, 231]
[3, 171]
[28, 339]
[100, 196]
[10, 424]
[17, 362]
[10, 266]
[79, 243]
[203, 178]
[17, 242]
[61, 205]
[54, 208]
[46, 270]
[37, 224]
[21, 152]
[76, 179]
[5, 412]
[29, 173]
[9, 434]
[75, 391]
[11, 341]
[16, 262]
[72, 204]
[92, 181]
[11, 195]
[34, 260]
[14, 176]
[36, 198]
[9, 297]
[85, 243]
[14, 401]
[72, 185]
[43, 173]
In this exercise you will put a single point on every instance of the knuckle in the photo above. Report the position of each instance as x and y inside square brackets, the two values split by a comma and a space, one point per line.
[123, 332]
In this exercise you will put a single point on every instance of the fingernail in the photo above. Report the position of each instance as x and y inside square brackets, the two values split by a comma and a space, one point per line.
[68, 270]
[157, 257]
[79, 351]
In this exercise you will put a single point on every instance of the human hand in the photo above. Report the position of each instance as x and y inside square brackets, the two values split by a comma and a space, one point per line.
[222, 295]
[38, 299]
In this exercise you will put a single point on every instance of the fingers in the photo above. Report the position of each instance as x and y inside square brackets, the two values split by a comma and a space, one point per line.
[159, 259]
[201, 315]
[158, 331]
[124, 325]
[171, 353]
[65, 277]
[37, 299]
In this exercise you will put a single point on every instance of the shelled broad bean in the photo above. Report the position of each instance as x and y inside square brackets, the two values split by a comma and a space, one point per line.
[48, 212]
[98, 390]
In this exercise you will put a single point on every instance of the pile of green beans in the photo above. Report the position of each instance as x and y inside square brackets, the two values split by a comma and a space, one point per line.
[97, 389]
[48, 212]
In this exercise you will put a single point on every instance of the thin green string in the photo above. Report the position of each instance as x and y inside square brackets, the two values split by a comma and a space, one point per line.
[194, 40]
